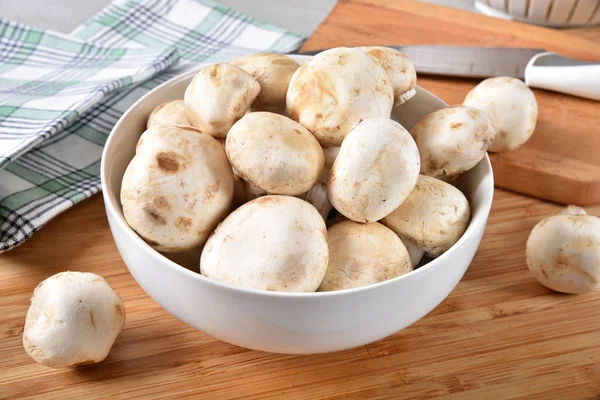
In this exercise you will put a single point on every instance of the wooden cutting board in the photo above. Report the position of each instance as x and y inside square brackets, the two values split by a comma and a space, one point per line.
[561, 161]
[499, 335]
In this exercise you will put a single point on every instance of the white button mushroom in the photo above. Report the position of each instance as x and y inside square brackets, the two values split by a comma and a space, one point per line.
[177, 188]
[218, 96]
[399, 68]
[563, 252]
[375, 170]
[363, 254]
[273, 72]
[512, 107]
[335, 89]
[170, 113]
[73, 320]
[274, 153]
[434, 216]
[452, 140]
[276, 243]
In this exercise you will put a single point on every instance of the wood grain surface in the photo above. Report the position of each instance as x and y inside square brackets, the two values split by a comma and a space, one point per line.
[499, 335]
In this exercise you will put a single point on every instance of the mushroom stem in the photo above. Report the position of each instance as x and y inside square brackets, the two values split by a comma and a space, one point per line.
[317, 196]
[572, 210]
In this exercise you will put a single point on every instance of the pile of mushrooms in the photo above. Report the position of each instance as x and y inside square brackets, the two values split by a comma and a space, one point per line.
[295, 178]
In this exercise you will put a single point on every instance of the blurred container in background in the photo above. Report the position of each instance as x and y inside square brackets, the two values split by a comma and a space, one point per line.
[553, 13]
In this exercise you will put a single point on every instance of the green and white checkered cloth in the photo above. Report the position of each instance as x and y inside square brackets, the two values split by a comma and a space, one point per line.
[60, 95]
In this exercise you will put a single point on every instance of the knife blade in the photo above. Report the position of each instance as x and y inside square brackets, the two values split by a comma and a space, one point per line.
[536, 66]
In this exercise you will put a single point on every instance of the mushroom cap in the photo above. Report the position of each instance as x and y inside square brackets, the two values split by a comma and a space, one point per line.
[452, 140]
[434, 216]
[276, 243]
[273, 72]
[399, 68]
[337, 88]
[74, 319]
[375, 170]
[170, 113]
[563, 253]
[512, 107]
[177, 187]
[274, 153]
[219, 95]
[363, 254]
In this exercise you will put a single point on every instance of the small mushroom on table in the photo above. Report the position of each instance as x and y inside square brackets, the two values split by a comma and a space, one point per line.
[563, 251]
[512, 107]
[434, 216]
[218, 96]
[276, 243]
[375, 170]
[73, 320]
[177, 187]
[363, 254]
[335, 89]
[274, 153]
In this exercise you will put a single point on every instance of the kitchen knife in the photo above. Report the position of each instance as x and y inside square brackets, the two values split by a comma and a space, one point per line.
[536, 67]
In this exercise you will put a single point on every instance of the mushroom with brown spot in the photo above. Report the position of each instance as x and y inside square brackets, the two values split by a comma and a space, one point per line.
[452, 140]
[74, 319]
[177, 188]
[563, 251]
[434, 216]
[276, 243]
[273, 72]
[512, 107]
[274, 153]
[375, 170]
[335, 89]
[363, 254]
[218, 96]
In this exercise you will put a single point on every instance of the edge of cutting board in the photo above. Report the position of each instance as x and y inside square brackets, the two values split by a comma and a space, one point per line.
[547, 176]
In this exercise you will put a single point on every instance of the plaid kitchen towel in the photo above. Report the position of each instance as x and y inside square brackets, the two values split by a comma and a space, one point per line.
[61, 95]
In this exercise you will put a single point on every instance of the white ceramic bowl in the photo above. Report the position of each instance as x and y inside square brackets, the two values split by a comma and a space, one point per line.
[297, 323]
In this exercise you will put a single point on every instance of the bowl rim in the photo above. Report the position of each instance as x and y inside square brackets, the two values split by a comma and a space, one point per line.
[473, 226]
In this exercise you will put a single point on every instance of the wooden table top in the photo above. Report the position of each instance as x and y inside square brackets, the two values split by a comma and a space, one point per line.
[499, 335]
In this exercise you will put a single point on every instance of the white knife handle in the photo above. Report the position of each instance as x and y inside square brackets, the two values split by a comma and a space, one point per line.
[560, 74]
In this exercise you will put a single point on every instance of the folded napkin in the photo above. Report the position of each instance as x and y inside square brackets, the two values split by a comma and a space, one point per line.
[60, 95]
